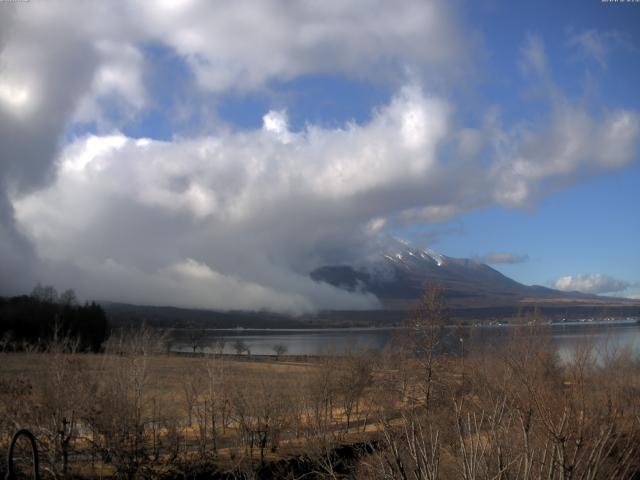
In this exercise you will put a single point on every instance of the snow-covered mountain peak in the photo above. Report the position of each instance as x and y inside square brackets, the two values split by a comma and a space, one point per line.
[413, 256]
[435, 256]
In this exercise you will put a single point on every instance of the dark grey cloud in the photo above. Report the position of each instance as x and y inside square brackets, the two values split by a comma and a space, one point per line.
[43, 68]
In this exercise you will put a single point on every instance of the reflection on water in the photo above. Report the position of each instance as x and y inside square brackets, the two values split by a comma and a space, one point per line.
[296, 342]
[606, 337]
[606, 341]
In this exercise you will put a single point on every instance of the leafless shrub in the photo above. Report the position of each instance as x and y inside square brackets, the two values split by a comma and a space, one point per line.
[117, 416]
[409, 451]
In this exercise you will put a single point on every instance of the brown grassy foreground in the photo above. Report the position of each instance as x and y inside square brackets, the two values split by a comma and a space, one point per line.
[513, 413]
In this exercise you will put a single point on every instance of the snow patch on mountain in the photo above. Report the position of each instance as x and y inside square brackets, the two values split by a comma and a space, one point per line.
[435, 256]
[410, 255]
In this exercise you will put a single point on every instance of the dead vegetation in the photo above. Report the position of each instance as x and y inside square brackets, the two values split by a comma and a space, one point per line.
[516, 412]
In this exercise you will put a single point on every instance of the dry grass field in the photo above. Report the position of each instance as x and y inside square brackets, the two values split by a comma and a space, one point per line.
[408, 412]
[120, 410]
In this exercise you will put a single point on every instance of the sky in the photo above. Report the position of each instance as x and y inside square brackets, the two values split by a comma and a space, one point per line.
[211, 154]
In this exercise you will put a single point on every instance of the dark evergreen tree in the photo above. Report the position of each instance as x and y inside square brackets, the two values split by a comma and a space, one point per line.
[38, 317]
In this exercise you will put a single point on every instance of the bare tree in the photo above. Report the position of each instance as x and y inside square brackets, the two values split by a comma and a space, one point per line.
[68, 298]
[425, 326]
[60, 402]
[354, 376]
[412, 451]
[195, 338]
[240, 346]
[192, 385]
[45, 293]
[215, 394]
[279, 349]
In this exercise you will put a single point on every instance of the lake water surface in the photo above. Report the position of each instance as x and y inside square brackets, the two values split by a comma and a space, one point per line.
[616, 334]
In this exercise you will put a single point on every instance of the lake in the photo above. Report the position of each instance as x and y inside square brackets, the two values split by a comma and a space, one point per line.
[566, 336]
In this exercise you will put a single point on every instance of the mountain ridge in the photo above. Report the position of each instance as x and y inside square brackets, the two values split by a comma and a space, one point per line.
[475, 292]
[397, 278]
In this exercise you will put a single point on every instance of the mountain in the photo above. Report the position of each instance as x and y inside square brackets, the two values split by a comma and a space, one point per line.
[398, 278]
[475, 291]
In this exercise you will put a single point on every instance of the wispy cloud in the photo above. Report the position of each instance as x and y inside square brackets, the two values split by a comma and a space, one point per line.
[502, 257]
[596, 45]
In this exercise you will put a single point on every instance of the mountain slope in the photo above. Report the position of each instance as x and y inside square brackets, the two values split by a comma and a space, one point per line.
[398, 278]
[475, 291]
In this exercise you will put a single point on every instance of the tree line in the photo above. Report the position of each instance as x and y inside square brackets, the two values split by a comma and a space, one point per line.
[36, 319]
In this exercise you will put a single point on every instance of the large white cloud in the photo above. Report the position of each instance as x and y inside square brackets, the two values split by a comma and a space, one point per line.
[252, 212]
[68, 62]
[590, 283]
[256, 209]
[237, 218]
[574, 145]
[244, 45]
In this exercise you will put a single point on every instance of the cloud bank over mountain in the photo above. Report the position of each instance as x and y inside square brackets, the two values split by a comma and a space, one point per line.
[235, 218]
